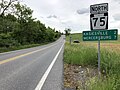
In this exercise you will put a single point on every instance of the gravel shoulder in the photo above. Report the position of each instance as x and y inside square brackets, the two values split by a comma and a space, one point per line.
[77, 77]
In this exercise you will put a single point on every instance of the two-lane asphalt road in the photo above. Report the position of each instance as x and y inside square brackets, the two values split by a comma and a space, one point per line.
[38, 68]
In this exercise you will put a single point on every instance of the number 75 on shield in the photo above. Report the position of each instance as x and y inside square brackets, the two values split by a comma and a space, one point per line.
[99, 21]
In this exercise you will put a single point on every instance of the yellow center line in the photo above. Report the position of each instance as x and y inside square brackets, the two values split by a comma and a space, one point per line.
[22, 55]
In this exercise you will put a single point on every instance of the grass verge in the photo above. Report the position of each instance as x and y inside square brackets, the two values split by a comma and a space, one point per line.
[12, 48]
[80, 54]
[86, 55]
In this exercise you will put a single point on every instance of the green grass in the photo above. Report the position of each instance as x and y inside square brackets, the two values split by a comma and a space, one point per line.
[79, 54]
[110, 83]
[110, 64]
[77, 36]
[18, 47]
[86, 55]
[12, 48]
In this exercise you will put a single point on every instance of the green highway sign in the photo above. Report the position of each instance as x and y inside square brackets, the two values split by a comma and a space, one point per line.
[96, 35]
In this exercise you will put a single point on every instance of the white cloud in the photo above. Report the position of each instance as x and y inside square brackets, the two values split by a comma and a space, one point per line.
[52, 16]
[117, 17]
[61, 14]
[83, 11]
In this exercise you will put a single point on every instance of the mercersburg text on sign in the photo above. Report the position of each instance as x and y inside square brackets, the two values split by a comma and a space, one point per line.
[100, 34]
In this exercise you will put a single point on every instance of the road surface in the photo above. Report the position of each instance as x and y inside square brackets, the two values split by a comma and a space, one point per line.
[38, 68]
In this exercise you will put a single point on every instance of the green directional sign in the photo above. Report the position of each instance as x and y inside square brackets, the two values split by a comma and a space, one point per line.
[100, 35]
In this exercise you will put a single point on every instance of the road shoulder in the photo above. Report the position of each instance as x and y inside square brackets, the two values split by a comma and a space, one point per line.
[54, 80]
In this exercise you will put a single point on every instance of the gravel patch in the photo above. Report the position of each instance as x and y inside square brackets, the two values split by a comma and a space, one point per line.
[76, 77]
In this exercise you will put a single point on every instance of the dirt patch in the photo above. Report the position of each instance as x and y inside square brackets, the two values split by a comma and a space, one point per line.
[75, 76]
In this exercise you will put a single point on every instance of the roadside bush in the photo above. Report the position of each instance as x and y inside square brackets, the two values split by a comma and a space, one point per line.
[79, 54]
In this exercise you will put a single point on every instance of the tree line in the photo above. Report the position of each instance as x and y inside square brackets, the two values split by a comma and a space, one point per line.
[18, 27]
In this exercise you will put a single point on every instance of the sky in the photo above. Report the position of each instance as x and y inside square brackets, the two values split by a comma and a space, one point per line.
[73, 14]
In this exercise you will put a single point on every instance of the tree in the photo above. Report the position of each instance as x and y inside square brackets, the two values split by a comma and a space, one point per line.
[6, 5]
[24, 17]
[67, 31]
[50, 34]
[23, 12]
[57, 34]
[19, 28]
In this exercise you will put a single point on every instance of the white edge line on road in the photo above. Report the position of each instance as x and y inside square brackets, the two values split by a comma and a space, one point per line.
[44, 77]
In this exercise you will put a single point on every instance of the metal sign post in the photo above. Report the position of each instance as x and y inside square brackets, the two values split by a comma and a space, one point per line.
[70, 40]
[99, 20]
[100, 35]
[99, 26]
[99, 57]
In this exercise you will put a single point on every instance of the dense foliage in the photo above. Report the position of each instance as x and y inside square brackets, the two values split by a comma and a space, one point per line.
[67, 31]
[18, 27]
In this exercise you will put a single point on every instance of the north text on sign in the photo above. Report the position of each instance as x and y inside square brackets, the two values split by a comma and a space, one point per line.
[99, 8]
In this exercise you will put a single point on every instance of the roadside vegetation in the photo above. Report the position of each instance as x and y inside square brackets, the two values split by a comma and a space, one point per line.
[84, 54]
[18, 28]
